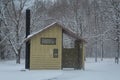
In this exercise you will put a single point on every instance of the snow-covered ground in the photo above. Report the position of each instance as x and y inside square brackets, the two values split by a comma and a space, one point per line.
[102, 70]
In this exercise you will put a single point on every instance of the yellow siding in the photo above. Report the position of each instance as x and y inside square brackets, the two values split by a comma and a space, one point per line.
[83, 56]
[41, 56]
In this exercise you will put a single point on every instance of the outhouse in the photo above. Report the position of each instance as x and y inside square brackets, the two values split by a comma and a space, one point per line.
[46, 49]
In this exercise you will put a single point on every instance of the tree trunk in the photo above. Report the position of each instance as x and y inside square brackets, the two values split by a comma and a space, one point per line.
[96, 52]
[118, 50]
[18, 57]
[96, 57]
[102, 53]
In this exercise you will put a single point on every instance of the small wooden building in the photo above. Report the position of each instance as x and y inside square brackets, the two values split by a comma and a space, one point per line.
[47, 52]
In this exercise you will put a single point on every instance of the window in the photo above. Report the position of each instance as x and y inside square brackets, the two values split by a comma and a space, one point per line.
[55, 53]
[48, 41]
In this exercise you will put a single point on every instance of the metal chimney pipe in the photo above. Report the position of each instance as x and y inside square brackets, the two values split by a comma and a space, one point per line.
[27, 56]
[27, 22]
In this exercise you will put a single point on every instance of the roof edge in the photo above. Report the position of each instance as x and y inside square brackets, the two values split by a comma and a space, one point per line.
[67, 31]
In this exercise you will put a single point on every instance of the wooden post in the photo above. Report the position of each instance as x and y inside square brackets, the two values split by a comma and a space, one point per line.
[83, 56]
[80, 53]
[77, 48]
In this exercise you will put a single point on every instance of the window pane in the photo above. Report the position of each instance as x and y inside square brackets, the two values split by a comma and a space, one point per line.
[48, 41]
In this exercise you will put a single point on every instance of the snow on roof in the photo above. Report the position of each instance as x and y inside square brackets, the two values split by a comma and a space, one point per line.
[65, 30]
[33, 34]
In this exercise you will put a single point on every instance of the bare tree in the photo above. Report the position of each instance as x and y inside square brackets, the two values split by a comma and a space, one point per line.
[2, 46]
[116, 8]
[13, 22]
